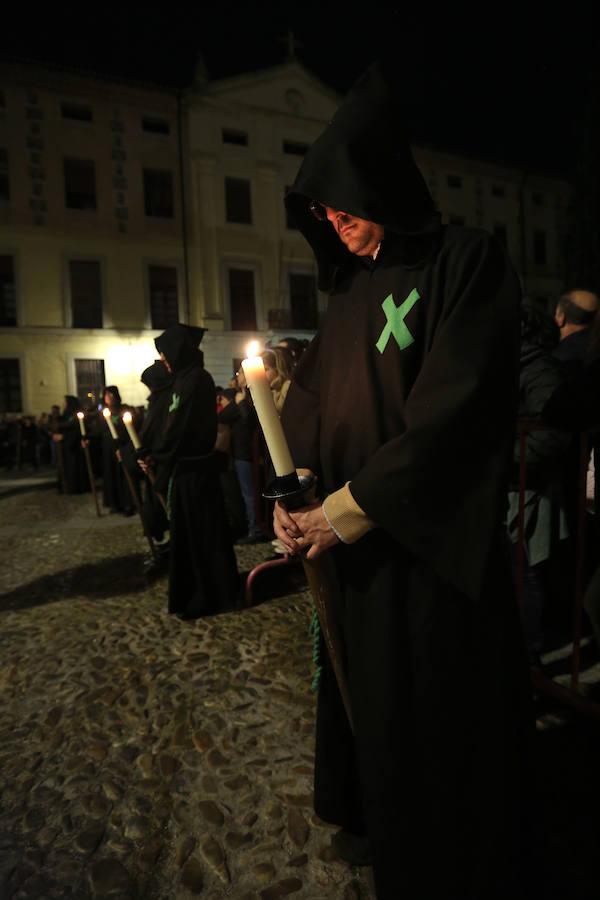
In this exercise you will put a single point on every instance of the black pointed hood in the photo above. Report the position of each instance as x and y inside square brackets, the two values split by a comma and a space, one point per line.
[362, 164]
[72, 405]
[156, 377]
[179, 344]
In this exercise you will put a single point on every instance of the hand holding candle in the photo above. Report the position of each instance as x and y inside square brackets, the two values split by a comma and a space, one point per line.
[108, 419]
[81, 418]
[128, 422]
[262, 397]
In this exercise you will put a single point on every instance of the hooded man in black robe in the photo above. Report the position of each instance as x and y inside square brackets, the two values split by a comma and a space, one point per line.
[72, 472]
[202, 570]
[404, 406]
[116, 493]
[159, 382]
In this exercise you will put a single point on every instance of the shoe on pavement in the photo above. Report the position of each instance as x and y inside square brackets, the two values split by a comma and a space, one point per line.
[352, 848]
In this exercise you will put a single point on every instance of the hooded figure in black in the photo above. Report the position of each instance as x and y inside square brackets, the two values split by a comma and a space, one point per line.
[404, 406]
[202, 571]
[159, 382]
[72, 475]
[116, 493]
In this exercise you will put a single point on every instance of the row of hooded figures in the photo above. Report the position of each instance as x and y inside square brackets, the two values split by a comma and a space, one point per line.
[187, 464]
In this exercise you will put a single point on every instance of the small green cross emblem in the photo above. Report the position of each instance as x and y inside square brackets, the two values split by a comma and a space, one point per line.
[395, 324]
[175, 401]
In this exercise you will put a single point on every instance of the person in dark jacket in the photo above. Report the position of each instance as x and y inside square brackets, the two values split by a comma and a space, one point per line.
[404, 406]
[72, 473]
[159, 382]
[575, 314]
[238, 413]
[202, 569]
[545, 522]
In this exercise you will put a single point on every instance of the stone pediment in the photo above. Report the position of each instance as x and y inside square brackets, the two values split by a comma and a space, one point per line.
[288, 90]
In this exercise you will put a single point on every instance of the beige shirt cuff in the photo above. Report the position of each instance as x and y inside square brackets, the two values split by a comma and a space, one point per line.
[345, 516]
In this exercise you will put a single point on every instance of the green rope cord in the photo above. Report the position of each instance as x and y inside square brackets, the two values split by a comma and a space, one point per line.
[314, 629]
[169, 498]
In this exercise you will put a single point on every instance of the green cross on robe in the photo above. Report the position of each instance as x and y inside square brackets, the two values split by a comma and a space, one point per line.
[395, 324]
[175, 401]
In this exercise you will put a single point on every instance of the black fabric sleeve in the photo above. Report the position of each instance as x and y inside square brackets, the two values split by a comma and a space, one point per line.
[575, 404]
[549, 444]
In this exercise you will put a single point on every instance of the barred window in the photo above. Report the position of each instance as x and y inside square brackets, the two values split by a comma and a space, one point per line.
[164, 303]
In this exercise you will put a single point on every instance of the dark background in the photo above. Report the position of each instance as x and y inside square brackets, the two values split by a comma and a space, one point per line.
[507, 85]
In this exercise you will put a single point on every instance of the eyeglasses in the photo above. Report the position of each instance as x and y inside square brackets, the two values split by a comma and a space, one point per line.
[318, 210]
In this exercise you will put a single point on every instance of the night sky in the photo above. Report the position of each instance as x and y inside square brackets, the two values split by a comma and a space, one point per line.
[512, 90]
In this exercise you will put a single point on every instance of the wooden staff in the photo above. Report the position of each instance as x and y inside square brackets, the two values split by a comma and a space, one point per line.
[88, 461]
[134, 496]
[61, 465]
[128, 422]
[138, 505]
[152, 480]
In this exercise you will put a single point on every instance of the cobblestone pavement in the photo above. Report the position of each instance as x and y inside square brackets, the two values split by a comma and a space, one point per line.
[143, 757]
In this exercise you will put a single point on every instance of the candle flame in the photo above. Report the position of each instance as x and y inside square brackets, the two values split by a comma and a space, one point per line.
[252, 349]
[80, 415]
[127, 418]
[106, 412]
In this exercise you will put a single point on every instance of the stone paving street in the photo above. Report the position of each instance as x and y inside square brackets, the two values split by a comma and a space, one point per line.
[140, 756]
[143, 757]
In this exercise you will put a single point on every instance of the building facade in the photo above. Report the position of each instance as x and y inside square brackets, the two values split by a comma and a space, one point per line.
[125, 208]
[91, 233]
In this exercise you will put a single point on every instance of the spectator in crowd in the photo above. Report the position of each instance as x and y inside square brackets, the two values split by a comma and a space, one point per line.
[575, 406]
[296, 347]
[238, 413]
[27, 450]
[575, 314]
[278, 366]
[228, 423]
[45, 439]
[545, 523]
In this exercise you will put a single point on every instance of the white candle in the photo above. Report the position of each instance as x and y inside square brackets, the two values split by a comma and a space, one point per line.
[108, 419]
[128, 422]
[262, 396]
[81, 418]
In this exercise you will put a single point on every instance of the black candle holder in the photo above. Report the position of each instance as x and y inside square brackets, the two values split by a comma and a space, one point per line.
[289, 489]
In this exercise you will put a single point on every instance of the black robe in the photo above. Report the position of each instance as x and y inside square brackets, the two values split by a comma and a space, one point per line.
[160, 384]
[72, 472]
[203, 576]
[116, 494]
[419, 418]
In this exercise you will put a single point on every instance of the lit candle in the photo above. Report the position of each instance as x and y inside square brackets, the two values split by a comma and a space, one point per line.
[108, 418]
[128, 422]
[81, 418]
[262, 397]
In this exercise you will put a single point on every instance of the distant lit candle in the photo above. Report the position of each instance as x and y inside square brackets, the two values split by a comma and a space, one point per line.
[128, 422]
[111, 427]
[81, 418]
[262, 397]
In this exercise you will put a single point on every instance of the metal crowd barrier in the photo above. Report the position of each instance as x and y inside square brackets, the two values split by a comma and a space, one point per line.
[569, 695]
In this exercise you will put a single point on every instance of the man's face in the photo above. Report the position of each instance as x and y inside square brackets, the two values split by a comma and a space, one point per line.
[166, 363]
[359, 235]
